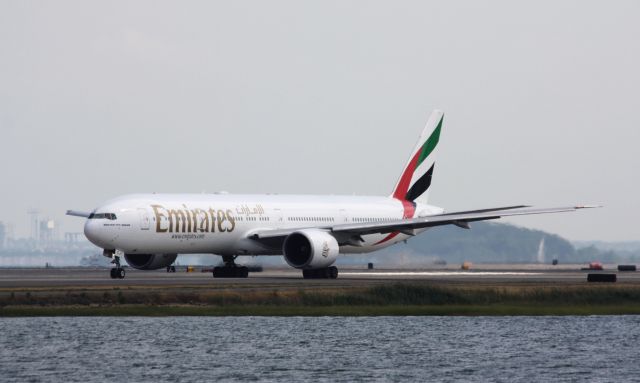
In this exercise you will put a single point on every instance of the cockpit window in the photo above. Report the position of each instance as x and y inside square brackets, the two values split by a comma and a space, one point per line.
[110, 216]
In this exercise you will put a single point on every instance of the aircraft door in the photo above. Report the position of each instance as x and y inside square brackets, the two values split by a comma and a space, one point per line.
[277, 217]
[343, 216]
[144, 219]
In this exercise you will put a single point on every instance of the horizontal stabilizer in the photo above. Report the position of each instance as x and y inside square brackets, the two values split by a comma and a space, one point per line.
[77, 213]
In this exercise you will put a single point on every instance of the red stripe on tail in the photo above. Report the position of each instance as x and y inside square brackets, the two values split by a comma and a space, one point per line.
[403, 185]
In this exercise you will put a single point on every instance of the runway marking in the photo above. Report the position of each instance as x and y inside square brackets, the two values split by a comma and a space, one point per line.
[438, 273]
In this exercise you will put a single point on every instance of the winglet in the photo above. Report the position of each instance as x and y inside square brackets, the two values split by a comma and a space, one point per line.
[588, 206]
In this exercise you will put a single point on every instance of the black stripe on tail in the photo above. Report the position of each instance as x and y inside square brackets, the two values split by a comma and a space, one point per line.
[421, 185]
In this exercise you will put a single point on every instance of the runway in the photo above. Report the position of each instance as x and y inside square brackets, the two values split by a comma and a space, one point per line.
[77, 278]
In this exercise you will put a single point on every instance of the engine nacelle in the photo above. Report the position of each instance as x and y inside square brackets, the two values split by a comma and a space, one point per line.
[150, 261]
[310, 249]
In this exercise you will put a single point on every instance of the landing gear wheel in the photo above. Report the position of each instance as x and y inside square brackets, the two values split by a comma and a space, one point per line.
[230, 269]
[117, 272]
[324, 273]
[230, 272]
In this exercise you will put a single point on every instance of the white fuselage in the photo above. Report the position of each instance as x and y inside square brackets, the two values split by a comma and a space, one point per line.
[222, 223]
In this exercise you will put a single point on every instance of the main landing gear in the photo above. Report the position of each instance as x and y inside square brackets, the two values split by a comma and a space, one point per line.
[324, 273]
[230, 269]
[117, 272]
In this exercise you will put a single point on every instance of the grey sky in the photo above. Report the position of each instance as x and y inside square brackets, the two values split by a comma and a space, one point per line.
[541, 102]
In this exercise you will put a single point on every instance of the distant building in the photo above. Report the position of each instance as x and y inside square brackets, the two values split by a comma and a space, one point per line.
[73, 238]
[47, 231]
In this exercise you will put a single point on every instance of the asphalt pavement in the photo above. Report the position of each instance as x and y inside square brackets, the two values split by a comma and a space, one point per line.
[57, 278]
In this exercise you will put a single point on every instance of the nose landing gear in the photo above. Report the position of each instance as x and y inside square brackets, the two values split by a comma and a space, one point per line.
[117, 272]
[230, 269]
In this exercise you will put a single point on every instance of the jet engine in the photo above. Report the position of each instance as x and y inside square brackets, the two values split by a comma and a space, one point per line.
[310, 249]
[150, 261]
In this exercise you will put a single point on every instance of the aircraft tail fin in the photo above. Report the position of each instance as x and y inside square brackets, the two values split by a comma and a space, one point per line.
[415, 180]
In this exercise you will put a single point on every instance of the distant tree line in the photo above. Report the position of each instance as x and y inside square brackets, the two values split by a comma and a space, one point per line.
[490, 242]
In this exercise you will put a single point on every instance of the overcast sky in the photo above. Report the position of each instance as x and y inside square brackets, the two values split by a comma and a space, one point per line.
[541, 102]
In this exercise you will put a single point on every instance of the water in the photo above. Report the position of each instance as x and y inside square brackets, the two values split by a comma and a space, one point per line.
[195, 349]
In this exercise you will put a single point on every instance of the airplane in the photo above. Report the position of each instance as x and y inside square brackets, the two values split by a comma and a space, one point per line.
[310, 231]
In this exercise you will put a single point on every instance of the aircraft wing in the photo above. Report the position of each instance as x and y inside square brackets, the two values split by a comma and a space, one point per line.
[407, 226]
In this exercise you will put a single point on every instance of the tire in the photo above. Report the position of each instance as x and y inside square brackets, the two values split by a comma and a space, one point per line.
[326, 273]
[599, 277]
[112, 273]
[121, 273]
[230, 272]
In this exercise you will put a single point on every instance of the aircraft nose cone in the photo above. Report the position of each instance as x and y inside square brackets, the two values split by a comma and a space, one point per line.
[93, 234]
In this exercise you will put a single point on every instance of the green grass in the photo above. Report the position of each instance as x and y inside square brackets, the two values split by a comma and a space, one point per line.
[391, 299]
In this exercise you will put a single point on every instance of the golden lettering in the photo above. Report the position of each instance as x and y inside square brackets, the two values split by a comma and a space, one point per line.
[176, 218]
[231, 220]
[188, 219]
[195, 220]
[203, 220]
[159, 217]
[220, 221]
[212, 213]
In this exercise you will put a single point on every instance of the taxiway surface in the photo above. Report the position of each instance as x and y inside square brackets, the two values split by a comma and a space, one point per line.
[289, 278]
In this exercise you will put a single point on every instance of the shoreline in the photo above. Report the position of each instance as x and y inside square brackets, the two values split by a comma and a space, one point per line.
[337, 311]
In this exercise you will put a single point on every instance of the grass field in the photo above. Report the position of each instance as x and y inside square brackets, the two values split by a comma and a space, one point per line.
[405, 298]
